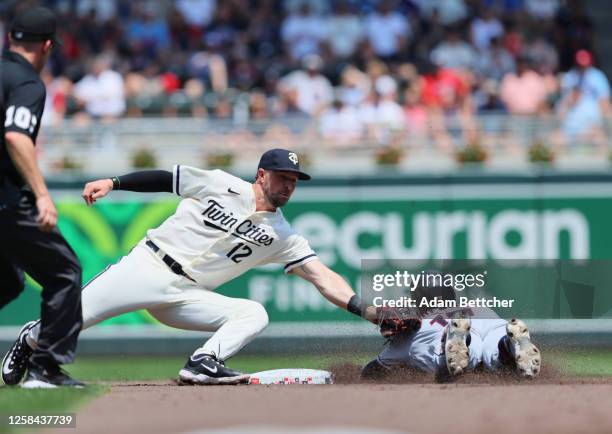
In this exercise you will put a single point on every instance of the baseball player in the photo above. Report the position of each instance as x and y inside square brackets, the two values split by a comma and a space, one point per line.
[449, 343]
[223, 227]
[29, 240]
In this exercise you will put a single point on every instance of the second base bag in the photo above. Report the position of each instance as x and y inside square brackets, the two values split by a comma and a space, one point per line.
[292, 376]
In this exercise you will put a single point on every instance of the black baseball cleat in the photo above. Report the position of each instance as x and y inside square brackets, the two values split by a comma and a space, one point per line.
[15, 361]
[48, 377]
[207, 369]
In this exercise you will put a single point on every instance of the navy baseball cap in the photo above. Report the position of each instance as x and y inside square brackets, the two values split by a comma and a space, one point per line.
[36, 24]
[282, 159]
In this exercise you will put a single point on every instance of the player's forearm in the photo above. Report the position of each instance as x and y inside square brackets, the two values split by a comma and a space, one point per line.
[21, 150]
[145, 181]
[336, 290]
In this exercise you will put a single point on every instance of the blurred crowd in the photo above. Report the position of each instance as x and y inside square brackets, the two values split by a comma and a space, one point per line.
[369, 68]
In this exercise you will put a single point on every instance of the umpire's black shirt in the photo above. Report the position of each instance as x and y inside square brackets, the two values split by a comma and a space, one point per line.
[22, 101]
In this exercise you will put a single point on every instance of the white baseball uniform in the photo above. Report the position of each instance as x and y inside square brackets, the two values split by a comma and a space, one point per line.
[423, 349]
[215, 235]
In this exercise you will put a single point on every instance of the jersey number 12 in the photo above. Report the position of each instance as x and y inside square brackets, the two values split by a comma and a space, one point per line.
[240, 251]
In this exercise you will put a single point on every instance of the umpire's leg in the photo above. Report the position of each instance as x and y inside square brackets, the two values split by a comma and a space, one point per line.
[11, 281]
[47, 257]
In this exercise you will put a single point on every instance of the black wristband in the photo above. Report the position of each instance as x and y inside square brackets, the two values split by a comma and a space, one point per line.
[116, 183]
[354, 305]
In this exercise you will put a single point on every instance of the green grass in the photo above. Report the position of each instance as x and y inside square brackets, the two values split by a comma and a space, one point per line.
[14, 400]
[583, 363]
[17, 401]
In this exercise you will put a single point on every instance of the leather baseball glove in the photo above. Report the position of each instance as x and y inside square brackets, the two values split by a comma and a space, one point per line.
[394, 321]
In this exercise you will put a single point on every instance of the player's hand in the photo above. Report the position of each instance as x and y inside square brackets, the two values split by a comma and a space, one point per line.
[47, 214]
[96, 189]
[371, 314]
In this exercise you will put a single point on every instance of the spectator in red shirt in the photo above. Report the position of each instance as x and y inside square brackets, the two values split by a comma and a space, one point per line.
[443, 89]
[446, 94]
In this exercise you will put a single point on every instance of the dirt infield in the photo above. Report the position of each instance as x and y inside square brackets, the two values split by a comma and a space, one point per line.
[473, 406]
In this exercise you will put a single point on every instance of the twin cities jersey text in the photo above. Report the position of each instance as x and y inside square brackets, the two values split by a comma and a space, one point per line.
[216, 234]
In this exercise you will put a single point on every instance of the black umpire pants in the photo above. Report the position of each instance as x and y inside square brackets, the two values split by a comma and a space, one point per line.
[48, 259]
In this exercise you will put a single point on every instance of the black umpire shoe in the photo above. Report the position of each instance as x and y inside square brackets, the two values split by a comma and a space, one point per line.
[48, 377]
[207, 369]
[15, 361]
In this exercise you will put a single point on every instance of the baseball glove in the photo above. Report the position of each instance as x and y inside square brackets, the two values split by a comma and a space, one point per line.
[397, 321]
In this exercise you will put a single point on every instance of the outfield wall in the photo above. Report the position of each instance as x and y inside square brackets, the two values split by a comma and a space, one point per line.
[532, 215]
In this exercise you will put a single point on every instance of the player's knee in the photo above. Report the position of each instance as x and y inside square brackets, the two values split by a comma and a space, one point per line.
[67, 280]
[77, 277]
[75, 274]
[261, 315]
[419, 353]
[72, 270]
[71, 282]
[421, 358]
[374, 370]
[255, 314]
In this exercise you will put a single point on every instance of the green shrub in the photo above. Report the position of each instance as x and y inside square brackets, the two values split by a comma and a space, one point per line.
[144, 159]
[389, 156]
[540, 153]
[472, 153]
[224, 159]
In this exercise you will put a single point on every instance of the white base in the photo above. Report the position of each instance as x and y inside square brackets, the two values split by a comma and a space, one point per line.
[292, 376]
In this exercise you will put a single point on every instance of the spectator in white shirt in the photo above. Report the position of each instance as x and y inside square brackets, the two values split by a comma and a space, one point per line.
[387, 31]
[197, 13]
[307, 89]
[496, 61]
[102, 90]
[344, 31]
[339, 124]
[455, 53]
[355, 86]
[303, 33]
[381, 114]
[449, 12]
[484, 28]
[542, 9]
[585, 99]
